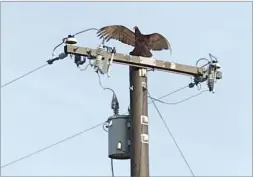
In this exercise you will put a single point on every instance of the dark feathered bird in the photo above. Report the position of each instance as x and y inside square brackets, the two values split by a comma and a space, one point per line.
[142, 43]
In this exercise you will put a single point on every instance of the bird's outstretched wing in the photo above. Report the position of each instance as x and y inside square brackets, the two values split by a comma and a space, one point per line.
[117, 32]
[158, 42]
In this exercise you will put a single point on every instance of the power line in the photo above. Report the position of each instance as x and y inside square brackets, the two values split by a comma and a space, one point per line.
[101, 85]
[59, 142]
[63, 40]
[173, 103]
[171, 134]
[168, 94]
[181, 88]
[112, 168]
[36, 69]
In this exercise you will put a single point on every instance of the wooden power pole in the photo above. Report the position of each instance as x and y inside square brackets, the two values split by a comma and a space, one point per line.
[138, 94]
[139, 123]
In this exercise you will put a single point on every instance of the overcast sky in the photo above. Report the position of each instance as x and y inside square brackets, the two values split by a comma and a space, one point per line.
[214, 131]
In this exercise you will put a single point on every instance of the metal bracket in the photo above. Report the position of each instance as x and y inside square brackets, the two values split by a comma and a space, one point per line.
[144, 138]
[119, 145]
[143, 72]
[109, 123]
[144, 85]
[144, 120]
[172, 65]
[148, 61]
[60, 57]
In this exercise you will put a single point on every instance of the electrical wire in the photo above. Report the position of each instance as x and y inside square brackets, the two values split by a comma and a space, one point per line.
[105, 88]
[208, 63]
[83, 31]
[211, 56]
[184, 87]
[105, 126]
[137, 98]
[153, 99]
[199, 86]
[30, 72]
[202, 59]
[45, 148]
[63, 40]
[112, 169]
[168, 129]
[174, 103]
[85, 68]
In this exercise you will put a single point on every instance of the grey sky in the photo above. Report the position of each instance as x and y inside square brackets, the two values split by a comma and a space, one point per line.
[213, 130]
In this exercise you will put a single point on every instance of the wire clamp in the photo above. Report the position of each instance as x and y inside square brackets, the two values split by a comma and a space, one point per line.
[59, 57]
[211, 74]
[197, 80]
[144, 120]
[144, 138]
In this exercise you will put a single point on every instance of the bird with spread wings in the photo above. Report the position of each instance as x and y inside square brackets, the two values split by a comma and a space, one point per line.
[142, 43]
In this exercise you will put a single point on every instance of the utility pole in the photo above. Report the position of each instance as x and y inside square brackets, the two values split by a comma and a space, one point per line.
[139, 124]
[139, 141]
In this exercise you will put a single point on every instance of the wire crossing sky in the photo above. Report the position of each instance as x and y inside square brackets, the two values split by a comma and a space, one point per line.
[212, 130]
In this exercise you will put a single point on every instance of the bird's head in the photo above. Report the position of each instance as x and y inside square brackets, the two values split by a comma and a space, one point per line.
[135, 28]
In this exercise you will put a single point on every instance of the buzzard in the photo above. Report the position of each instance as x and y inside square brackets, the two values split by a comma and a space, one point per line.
[142, 43]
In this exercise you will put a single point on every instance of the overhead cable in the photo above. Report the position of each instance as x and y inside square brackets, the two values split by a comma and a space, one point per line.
[168, 129]
[52, 145]
[30, 72]
[174, 103]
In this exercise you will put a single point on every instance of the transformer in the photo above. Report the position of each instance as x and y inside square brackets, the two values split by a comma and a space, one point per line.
[118, 137]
